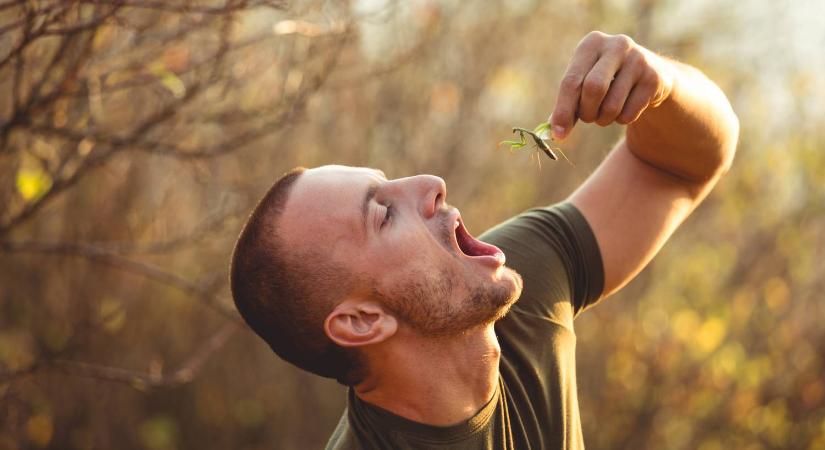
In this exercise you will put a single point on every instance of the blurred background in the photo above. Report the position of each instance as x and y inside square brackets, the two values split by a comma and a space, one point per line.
[136, 135]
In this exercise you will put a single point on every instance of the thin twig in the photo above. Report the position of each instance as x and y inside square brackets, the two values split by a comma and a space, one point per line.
[190, 9]
[185, 372]
[109, 258]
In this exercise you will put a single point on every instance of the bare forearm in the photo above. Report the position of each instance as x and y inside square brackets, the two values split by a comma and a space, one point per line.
[681, 137]
[692, 134]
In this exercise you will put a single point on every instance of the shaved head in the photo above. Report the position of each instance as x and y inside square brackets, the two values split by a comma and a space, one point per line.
[284, 293]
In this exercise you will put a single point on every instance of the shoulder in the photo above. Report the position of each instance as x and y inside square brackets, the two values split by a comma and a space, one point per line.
[556, 253]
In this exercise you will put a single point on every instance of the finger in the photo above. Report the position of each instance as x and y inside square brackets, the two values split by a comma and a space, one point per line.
[565, 111]
[597, 83]
[637, 101]
[616, 97]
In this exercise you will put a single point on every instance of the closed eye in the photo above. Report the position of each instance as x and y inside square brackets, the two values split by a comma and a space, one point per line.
[387, 216]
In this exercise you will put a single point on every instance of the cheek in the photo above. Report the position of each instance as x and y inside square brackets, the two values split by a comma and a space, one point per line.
[410, 265]
[411, 254]
[417, 247]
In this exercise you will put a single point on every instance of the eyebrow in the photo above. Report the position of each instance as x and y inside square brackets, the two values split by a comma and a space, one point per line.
[369, 195]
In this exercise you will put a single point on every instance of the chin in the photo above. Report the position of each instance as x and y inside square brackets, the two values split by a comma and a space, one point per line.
[507, 290]
[513, 279]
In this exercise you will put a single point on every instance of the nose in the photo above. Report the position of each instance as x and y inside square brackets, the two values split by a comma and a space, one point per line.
[433, 194]
[427, 193]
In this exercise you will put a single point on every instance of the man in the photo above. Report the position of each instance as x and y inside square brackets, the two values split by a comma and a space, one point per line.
[452, 342]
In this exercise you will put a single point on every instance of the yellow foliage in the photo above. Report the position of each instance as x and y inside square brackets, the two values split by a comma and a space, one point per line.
[112, 315]
[32, 183]
[776, 293]
[726, 362]
[39, 429]
[654, 322]
[772, 421]
[755, 371]
[158, 433]
[168, 79]
[104, 36]
[508, 90]
[685, 325]
[710, 334]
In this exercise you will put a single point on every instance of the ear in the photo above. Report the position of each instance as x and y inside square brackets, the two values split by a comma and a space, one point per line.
[356, 322]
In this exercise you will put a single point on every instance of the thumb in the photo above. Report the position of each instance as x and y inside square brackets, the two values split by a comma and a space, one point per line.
[560, 123]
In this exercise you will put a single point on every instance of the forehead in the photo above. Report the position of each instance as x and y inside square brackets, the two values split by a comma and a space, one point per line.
[325, 204]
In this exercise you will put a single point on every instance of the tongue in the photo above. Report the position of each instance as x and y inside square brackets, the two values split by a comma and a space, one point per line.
[472, 246]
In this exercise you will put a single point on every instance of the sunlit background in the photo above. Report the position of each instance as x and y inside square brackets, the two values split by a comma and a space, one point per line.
[136, 135]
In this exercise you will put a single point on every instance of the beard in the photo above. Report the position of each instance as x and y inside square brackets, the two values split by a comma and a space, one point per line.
[425, 303]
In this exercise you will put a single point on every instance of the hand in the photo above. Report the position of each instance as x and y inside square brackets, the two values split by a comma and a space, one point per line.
[610, 79]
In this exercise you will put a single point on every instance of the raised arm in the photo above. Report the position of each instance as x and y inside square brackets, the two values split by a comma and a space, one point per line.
[681, 138]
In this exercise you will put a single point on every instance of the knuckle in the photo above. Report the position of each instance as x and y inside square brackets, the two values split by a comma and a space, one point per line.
[593, 86]
[571, 82]
[644, 59]
[629, 40]
[610, 109]
[649, 79]
[622, 42]
[635, 57]
[594, 36]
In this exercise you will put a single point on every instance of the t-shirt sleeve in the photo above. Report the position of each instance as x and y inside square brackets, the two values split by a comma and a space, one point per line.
[556, 254]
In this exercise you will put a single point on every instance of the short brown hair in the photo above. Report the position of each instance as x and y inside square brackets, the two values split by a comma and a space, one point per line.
[277, 294]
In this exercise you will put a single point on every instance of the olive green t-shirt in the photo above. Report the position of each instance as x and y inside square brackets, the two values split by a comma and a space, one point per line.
[535, 405]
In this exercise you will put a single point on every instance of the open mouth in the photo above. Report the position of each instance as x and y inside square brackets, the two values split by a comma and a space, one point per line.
[474, 248]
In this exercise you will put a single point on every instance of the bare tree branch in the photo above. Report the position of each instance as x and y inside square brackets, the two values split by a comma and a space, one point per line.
[190, 237]
[183, 374]
[107, 257]
[188, 8]
[62, 76]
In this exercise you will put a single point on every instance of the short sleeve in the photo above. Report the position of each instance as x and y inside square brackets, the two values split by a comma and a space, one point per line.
[557, 255]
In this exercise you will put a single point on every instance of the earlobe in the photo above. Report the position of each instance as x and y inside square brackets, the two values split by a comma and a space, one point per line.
[354, 323]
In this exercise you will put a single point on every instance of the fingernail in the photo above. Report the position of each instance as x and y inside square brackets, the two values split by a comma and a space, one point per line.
[558, 131]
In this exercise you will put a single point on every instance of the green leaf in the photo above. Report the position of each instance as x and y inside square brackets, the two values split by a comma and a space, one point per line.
[32, 183]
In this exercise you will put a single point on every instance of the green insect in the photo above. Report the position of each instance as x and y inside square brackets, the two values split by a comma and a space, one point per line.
[539, 134]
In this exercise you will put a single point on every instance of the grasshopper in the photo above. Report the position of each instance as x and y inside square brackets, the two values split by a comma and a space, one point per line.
[539, 134]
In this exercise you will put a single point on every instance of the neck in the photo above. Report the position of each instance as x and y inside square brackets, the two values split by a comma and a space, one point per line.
[434, 381]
